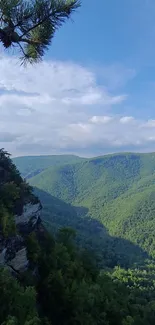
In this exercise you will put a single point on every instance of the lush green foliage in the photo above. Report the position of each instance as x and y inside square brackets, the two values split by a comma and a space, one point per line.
[14, 192]
[33, 165]
[31, 25]
[71, 290]
[91, 234]
[18, 304]
[64, 285]
[117, 190]
[80, 294]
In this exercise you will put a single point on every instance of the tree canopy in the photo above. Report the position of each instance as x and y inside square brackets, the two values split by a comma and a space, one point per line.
[30, 26]
[63, 284]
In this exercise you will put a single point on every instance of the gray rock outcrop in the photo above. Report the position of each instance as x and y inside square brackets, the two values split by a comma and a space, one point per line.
[13, 249]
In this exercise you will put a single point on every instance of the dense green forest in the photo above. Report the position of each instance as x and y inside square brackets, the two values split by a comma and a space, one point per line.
[116, 191]
[64, 285]
[90, 233]
[32, 165]
[68, 289]
[14, 193]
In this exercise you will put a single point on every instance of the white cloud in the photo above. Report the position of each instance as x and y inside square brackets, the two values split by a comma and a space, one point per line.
[90, 98]
[58, 107]
[126, 119]
[149, 124]
[100, 119]
[65, 81]
[116, 75]
[7, 137]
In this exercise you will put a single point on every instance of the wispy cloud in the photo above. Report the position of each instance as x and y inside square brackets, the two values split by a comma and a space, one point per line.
[60, 107]
[116, 76]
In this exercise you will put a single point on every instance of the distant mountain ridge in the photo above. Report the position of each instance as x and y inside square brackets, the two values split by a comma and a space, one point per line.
[30, 166]
[118, 190]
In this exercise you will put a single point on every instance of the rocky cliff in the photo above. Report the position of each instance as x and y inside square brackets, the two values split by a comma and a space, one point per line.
[20, 215]
[13, 249]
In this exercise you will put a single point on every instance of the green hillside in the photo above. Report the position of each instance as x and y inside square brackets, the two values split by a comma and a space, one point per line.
[33, 165]
[61, 283]
[91, 234]
[117, 190]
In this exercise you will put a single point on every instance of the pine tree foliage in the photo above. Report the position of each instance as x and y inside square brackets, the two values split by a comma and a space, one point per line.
[31, 25]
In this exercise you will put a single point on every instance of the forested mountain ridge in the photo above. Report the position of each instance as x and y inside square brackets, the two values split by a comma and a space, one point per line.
[117, 190]
[19, 218]
[62, 285]
[32, 165]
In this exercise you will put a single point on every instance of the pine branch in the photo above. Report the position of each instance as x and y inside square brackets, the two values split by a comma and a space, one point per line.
[33, 23]
[58, 13]
[21, 48]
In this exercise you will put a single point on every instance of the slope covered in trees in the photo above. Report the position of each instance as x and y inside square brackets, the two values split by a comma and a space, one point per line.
[117, 190]
[32, 165]
[14, 193]
[63, 285]
[70, 290]
[90, 233]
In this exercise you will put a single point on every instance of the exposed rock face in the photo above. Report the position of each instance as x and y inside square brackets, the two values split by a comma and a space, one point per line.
[30, 211]
[13, 250]
[19, 262]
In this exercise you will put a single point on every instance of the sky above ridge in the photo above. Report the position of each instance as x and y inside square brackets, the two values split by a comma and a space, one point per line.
[94, 92]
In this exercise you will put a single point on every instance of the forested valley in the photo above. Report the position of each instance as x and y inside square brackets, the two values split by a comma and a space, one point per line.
[66, 281]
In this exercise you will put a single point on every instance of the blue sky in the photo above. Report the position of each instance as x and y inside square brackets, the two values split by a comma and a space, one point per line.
[114, 33]
[94, 93]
